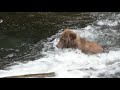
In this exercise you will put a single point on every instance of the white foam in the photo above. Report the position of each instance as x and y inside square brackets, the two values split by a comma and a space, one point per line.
[66, 63]
[10, 55]
[88, 32]
[1, 21]
[108, 23]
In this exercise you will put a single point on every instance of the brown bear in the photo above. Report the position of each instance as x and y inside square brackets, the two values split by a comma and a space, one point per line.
[69, 39]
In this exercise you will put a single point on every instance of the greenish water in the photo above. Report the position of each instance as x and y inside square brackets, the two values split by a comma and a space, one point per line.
[20, 31]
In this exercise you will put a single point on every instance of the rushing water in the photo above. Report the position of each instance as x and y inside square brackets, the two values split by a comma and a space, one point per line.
[28, 44]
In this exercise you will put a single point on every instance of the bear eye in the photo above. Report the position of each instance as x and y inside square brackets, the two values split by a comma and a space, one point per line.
[62, 39]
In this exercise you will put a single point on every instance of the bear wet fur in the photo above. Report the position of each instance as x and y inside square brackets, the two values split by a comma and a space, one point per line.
[69, 39]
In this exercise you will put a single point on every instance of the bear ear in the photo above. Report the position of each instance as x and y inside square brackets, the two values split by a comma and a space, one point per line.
[66, 29]
[73, 36]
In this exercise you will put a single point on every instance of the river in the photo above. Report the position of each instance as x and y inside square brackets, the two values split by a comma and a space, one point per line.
[28, 44]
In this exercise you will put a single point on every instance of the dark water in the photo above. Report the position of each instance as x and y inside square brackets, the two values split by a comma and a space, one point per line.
[20, 32]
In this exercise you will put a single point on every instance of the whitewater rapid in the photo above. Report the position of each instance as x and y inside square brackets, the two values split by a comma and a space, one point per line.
[71, 63]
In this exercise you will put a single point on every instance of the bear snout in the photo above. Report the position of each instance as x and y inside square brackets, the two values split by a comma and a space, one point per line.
[58, 45]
